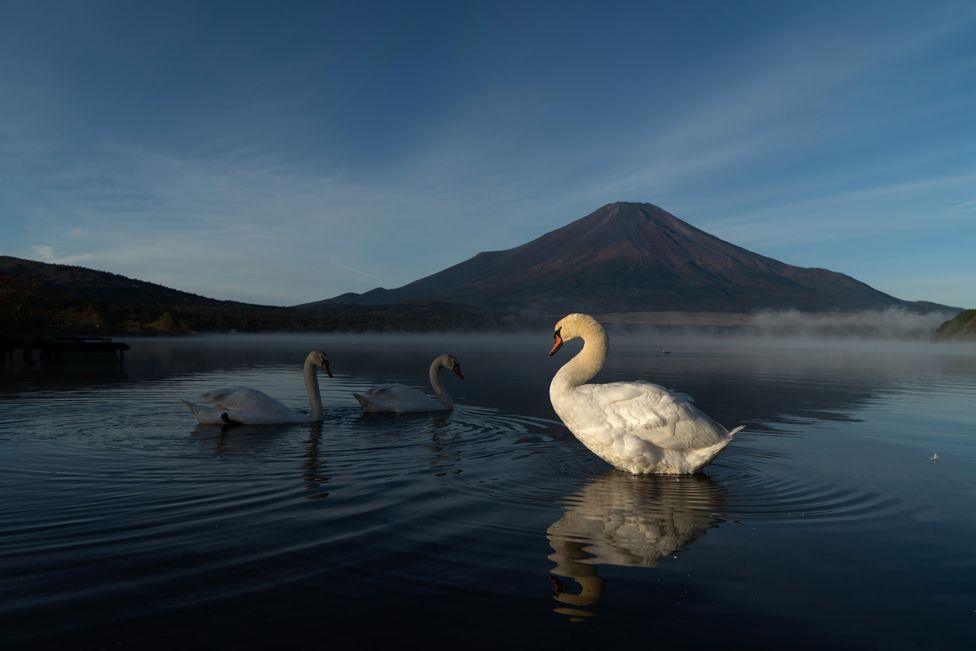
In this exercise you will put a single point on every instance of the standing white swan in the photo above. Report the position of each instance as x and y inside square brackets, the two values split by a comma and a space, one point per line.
[246, 406]
[635, 426]
[401, 399]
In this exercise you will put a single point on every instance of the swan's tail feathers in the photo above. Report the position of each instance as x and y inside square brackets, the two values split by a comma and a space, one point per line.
[361, 399]
[736, 430]
[204, 415]
[197, 411]
[701, 457]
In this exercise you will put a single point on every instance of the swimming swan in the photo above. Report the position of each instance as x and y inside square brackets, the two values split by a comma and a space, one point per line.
[401, 399]
[635, 426]
[246, 406]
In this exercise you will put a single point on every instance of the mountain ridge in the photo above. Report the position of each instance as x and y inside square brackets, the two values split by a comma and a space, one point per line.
[625, 261]
[41, 298]
[628, 256]
[961, 327]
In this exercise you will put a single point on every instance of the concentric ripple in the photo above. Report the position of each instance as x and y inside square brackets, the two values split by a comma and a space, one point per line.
[115, 506]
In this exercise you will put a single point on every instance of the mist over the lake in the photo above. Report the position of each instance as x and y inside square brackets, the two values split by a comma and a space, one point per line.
[891, 323]
[487, 325]
[494, 501]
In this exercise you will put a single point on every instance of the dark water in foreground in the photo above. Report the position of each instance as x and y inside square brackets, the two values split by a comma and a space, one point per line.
[824, 524]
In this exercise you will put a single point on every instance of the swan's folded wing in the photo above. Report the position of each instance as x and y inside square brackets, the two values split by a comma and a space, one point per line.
[215, 396]
[382, 390]
[397, 398]
[233, 398]
[653, 413]
[399, 392]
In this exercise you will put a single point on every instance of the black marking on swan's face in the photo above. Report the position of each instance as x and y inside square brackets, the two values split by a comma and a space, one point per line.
[323, 362]
[452, 363]
[557, 341]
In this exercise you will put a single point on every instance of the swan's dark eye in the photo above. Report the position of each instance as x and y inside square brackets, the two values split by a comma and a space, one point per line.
[557, 333]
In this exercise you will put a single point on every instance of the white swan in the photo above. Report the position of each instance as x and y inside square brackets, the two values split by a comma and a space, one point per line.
[635, 426]
[246, 406]
[401, 399]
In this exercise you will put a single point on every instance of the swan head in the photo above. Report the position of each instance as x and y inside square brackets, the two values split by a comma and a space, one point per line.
[572, 326]
[451, 362]
[317, 358]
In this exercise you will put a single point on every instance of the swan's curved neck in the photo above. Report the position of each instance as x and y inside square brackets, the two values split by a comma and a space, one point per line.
[587, 362]
[312, 387]
[435, 384]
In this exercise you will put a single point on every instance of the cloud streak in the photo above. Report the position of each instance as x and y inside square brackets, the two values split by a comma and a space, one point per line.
[810, 135]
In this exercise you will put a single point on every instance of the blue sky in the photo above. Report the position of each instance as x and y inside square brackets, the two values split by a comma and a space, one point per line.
[290, 153]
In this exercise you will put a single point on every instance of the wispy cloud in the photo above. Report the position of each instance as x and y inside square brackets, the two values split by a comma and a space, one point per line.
[965, 206]
[820, 129]
[43, 252]
[843, 215]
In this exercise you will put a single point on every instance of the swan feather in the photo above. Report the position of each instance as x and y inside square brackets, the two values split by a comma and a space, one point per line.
[635, 426]
[252, 407]
[401, 399]
[397, 398]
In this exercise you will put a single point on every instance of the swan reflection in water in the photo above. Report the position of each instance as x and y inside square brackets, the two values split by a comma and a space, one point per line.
[627, 520]
[312, 465]
[443, 456]
[246, 438]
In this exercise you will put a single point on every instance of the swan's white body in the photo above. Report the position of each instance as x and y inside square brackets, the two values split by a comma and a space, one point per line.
[401, 399]
[243, 405]
[634, 426]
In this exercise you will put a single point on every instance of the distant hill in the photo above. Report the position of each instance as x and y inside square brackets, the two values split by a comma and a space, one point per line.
[631, 262]
[83, 284]
[634, 257]
[38, 298]
[963, 326]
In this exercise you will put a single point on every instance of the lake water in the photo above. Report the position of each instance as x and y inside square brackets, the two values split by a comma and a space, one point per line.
[824, 524]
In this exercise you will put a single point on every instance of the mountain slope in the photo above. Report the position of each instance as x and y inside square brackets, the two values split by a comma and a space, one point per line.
[38, 298]
[83, 284]
[962, 326]
[634, 257]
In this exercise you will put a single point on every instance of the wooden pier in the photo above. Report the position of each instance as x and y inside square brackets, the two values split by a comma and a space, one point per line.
[58, 350]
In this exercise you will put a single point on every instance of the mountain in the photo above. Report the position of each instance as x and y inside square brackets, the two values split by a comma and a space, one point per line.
[629, 259]
[85, 284]
[38, 298]
[962, 326]
[634, 257]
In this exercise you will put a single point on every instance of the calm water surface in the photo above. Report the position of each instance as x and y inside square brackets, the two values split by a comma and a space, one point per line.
[825, 524]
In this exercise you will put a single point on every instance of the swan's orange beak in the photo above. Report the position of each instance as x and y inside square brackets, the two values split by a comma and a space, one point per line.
[457, 371]
[327, 367]
[557, 344]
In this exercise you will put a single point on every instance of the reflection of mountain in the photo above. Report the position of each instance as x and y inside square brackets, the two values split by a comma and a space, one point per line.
[622, 519]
